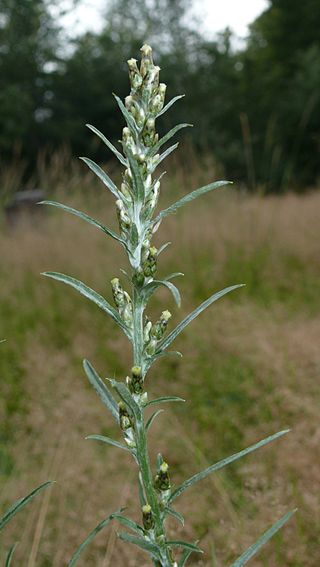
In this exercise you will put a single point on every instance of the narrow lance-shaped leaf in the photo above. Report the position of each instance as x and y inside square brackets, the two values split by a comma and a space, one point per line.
[19, 504]
[175, 514]
[170, 103]
[151, 419]
[126, 396]
[128, 523]
[164, 400]
[129, 119]
[120, 157]
[171, 337]
[154, 150]
[101, 389]
[193, 195]
[142, 543]
[90, 537]
[185, 545]
[166, 154]
[10, 555]
[86, 218]
[184, 557]
[244, 558]
[108, 441]
[102, 175]
[203, 474]
[151, 287]
[138, 183]
[92, 295]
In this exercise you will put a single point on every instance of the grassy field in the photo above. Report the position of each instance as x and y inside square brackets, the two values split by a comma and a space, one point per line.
[250, 368]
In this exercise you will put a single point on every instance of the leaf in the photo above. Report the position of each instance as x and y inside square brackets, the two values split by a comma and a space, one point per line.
[174, 275]
[130, 524]
[151, 287]
[19, 504]
[244, 558]
[142, 543]
[10, 555]
[171, 337]
[90, 537]
[138, 184]
[203, 474]
[101, 389]
[92, 295]
[175, 514]
[163, 247]
[193, 195]
[164, 400]
[109, 441]
[152, 418]
[167, 153]
[186, 545]
[170, 103]
[154, 150]
[129, 119]
[103, 176]
[85, 217]
[126, 396]
[120, 157]
[184, 557]
[134, 236]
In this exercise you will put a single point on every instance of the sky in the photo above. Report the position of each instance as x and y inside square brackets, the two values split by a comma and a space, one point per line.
[216, 15]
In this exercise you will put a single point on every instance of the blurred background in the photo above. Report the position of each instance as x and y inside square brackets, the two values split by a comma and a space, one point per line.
[251, 75]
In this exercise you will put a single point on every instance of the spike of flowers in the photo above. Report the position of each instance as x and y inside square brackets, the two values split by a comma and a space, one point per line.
[136, 201]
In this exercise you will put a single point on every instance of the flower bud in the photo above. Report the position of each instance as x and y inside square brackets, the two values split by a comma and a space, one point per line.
[147, 517]
[162, 479]
[124, 417]
[146, 59]
[149, 266]
[136, 382]
[123, 301]
[158, 329]
[124, 220]
[134, 75]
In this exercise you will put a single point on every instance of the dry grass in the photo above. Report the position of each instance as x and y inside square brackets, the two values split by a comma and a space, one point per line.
[251, 367]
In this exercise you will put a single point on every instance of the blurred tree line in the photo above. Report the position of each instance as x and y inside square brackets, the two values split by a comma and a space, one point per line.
[256, 109]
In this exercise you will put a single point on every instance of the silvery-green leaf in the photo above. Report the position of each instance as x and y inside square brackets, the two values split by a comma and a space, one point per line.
[130, 524]
[109, 441]
[193, 195]
[173, 275]
[85, 217]
[103, 176]
[249, 553]
[167, 153]
[171, 337]
[174, 514]
[163, 247]
[10, 555]
[134, 236]
[184, 557]
[126, 397]
[129, 119]
[203, 474]
[142, 543]
[92, 295]
[19, 504]
[164, 400]
[152, 418]
[138, 183]
[101, 389]
[154, 150]
[151, 287]
[90, 537]
[120, 157]
[170, 103]
[185, 545]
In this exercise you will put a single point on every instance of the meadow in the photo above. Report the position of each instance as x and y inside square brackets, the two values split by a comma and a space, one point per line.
[250, 368]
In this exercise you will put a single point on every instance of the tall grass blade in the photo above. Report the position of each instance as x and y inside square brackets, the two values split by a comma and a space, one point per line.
[92, 295]
[171, 337]
[244, 558]
[10, 555]
[203, 474]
